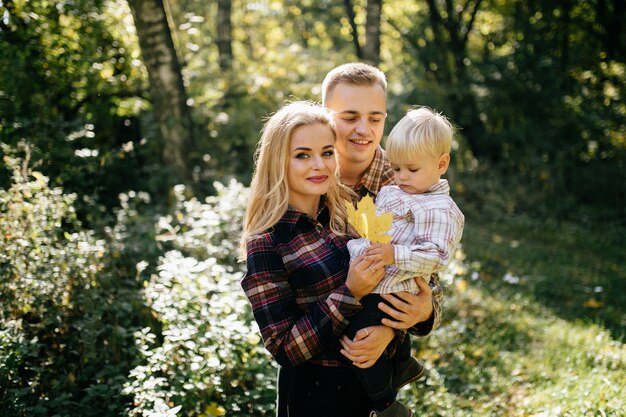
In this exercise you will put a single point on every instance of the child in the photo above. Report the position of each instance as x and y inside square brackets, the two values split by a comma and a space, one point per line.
[427, 226]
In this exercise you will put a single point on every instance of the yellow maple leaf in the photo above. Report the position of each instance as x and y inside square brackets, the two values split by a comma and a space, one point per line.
[367, 223]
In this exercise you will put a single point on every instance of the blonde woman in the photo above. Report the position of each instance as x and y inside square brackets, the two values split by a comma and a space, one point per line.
[299, 281]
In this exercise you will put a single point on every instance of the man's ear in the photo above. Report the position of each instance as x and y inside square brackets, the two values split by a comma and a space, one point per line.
[444, 163]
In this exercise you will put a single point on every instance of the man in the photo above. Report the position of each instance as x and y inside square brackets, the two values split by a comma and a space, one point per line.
[357, 93]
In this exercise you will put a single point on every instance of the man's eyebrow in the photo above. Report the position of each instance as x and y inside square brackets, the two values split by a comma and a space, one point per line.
[376, 112]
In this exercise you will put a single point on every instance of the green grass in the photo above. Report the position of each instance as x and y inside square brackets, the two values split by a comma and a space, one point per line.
[533, 325]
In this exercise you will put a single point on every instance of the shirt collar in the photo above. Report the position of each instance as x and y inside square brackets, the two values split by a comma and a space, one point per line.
[378, 174]
[293, 217]
[440, 187]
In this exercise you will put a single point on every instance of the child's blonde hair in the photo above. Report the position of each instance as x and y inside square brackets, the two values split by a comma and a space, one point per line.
[421, 132]
[269, 189]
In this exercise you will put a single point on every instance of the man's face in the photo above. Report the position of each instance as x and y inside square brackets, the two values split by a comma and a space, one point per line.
[360, 112]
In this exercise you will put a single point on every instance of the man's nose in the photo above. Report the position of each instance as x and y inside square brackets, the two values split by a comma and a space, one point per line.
[362, 127]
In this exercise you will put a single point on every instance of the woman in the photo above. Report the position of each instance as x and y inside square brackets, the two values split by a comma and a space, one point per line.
[300, 285]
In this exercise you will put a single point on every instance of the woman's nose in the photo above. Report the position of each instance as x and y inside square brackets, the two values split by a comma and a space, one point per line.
[318, 163]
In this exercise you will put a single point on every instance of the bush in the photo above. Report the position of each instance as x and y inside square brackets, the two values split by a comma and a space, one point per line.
[208, 359]
[65, 318]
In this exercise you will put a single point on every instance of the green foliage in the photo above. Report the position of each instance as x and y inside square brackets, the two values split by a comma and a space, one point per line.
[71, 84]
[207, 359]
[65, 319]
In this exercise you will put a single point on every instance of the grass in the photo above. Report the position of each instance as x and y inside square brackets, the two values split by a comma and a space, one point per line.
[533, 324]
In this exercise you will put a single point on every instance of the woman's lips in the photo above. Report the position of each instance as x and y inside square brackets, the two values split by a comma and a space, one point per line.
[318, 179]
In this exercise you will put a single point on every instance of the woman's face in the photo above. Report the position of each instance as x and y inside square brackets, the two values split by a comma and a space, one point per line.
[311, 166]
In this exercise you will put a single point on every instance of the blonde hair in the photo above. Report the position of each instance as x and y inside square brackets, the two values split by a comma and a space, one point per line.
[269, 189]
[421, 132]
[354, 73]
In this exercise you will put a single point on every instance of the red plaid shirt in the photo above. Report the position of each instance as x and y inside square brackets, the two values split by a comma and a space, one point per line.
[296, 285]
[378, 174]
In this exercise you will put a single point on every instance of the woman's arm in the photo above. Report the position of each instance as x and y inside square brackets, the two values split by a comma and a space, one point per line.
[290, 334]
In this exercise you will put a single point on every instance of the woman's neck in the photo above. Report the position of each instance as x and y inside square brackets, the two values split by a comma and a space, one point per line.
[309, 206]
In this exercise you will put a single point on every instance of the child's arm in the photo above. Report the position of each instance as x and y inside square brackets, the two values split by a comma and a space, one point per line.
[436, 233]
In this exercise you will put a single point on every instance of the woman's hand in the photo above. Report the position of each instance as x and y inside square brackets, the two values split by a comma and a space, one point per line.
[368, 344]
[363, 275]
[410, 309]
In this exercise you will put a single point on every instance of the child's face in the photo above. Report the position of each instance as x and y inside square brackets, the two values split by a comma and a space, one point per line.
[418, 176]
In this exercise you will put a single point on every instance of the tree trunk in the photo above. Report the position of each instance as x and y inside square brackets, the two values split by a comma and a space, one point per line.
[353, 26]
[224, 34]
[166, 83]
[371, 50]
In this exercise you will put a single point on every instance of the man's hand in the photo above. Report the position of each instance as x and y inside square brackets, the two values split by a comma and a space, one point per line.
[368, 344]
[409, 309]
[380, 252]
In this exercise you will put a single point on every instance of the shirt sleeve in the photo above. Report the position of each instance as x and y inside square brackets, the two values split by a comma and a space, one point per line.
[357, 247]
[291, 335]
[426, 327]
[436, 232]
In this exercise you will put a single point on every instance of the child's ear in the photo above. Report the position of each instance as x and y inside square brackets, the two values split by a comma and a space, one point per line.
[444, 163]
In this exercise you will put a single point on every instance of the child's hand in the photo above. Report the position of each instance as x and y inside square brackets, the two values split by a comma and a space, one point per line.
[380, 252]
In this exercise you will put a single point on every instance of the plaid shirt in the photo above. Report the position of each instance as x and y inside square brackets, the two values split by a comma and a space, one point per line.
[295, 283]
[426, 229]
[375, 177]
[378, 174]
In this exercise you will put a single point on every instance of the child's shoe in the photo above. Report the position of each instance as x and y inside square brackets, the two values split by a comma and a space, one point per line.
[407, 371]
[396, 409]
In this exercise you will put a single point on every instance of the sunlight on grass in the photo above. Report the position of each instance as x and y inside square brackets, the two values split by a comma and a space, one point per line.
[501, 353]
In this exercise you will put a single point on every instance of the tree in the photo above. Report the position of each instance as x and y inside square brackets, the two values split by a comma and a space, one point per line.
[370, 51]
[437, 36]
[167, 89]
[224, 34]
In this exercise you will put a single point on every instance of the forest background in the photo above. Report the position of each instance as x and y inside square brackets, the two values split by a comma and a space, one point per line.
[128, 130]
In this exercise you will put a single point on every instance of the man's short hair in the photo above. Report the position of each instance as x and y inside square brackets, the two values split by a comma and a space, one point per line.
[354, 73]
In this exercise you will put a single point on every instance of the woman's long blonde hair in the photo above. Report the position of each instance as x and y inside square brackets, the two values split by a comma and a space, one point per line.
[269, 189]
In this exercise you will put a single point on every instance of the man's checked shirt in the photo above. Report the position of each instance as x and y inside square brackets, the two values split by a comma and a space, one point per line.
[426, 229]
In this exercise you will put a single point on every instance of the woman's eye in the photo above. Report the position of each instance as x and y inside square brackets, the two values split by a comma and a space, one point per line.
[413, 169]
[302, 156]
[328, 154]
[349, 119]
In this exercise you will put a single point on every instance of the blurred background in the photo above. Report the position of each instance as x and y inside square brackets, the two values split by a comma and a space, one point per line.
[127, 133]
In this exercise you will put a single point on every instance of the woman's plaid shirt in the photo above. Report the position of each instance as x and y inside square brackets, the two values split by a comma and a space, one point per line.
[295, 283]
